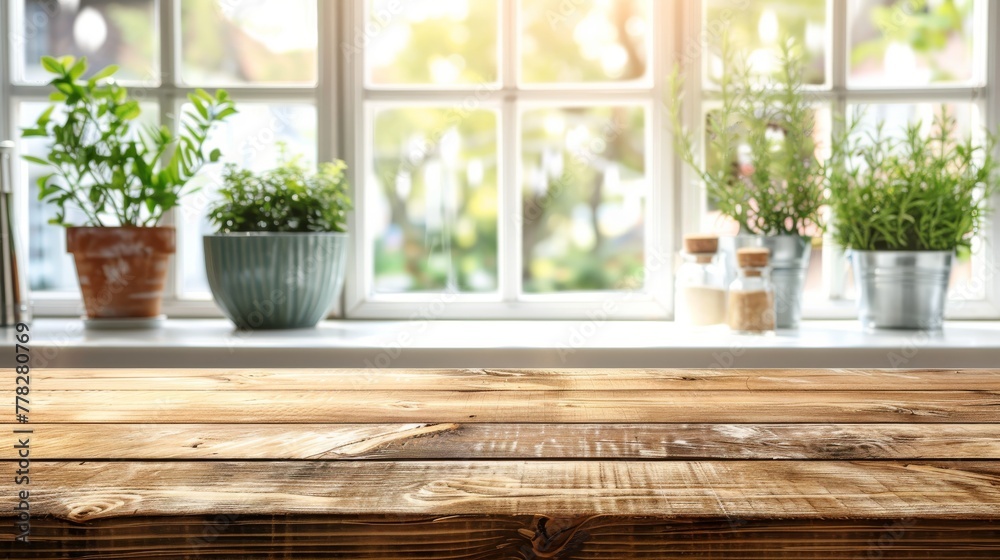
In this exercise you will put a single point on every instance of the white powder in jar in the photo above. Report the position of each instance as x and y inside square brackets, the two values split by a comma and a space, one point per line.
[701, 305]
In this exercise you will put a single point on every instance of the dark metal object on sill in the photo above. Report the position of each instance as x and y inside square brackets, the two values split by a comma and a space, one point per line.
[13, 284]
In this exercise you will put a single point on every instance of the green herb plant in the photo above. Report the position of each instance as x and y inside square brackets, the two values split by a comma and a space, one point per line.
[780, 190]
[910, 192]
[288, 198]
[106, 165]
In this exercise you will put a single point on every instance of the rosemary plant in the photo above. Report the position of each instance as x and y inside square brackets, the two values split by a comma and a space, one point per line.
[779, 190]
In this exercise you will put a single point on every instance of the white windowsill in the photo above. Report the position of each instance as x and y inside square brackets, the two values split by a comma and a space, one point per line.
[506, 344]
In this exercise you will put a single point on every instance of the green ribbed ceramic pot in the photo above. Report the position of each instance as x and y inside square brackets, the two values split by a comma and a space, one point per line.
[275, 280]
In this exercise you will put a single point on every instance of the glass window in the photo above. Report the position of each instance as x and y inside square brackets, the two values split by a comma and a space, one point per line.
[122, 32]
[585, 41]
[435, 176]
[429, 42]
[584, 191]
[906, 43]
[239, 42]
[757, 29]
[512, 152]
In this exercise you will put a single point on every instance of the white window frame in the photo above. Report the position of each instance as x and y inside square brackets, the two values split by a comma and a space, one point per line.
[654, 302]
[340, 97]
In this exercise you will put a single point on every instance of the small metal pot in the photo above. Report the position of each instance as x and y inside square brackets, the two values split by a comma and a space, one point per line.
[789, 263]
[902, 289]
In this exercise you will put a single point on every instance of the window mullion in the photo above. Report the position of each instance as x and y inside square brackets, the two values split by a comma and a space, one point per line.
[6, 73]
[992, 117]
[329, 110]
[834, 265]
[838, 41]
[509, 226]
[359, 280]
[169, 32]
[661, 235]
[691, 59]
[327, 98]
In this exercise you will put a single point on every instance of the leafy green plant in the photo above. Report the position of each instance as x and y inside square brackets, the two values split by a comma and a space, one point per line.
[106, 165]
[910, 192]
[286, 199]
[780, 190]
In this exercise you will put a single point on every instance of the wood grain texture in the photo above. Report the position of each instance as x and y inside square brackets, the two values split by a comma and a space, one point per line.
[515, 379]
[513, 538]
[513, 464]
[582, 406]
[514, 441]
[666, 489]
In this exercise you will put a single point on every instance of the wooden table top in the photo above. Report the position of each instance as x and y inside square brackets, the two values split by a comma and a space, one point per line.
[513, 464]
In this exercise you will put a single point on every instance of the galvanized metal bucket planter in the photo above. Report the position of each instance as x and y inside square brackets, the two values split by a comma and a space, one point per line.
[789, 264]
[902, 289]
[276, 280]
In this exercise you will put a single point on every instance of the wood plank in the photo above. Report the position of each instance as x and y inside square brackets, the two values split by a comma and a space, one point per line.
[86, 491]
[522, 537]
[513, 441]
[515, 379]
[246, 406]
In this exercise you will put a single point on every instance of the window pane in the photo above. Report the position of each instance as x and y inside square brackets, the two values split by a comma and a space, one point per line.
[757, 28]
[585, 40]
[584, 190]
[121, 32]
[894, 117]
[898, 43]
[51, 268]
[250, 139]
[433, 209]
[239, 42]
[429, 42]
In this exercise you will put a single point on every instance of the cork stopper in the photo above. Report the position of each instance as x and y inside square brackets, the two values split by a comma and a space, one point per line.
[755, 257]
[697, 244]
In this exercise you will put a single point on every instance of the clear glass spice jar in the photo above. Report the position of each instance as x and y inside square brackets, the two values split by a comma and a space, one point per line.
[699, 289]
[751, 296]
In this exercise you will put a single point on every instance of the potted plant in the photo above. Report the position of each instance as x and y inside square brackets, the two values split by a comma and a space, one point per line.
[279, 257]
[760, 167]
[902, 207]
[121, 178]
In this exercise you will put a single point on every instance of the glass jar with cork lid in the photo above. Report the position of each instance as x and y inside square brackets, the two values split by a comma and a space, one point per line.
[751, 296]
[699, 286]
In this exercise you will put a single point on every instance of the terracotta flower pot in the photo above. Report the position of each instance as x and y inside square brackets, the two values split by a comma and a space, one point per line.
[122, 270]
